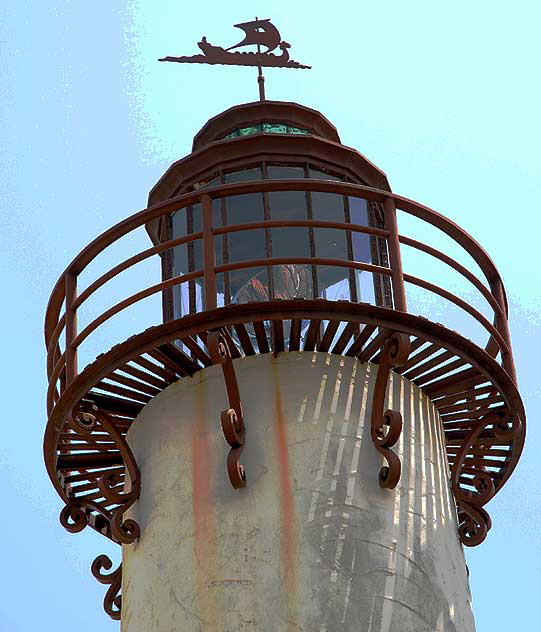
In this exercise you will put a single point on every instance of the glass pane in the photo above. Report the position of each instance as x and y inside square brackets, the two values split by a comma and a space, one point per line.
[245, 208]
[206, 184]
[197, 250]
[196, 219]
[333, 283]
[277, 172]
[358, 211]
[321, 175]
[292, 281]
[328, 206]
[217, 212]
[222, 288]
[275, 128]
[178, 223]
[290, 242]
[287, 205]
[244, 175]
[181, 298]
[364, 282]
[330, 243]
[180, 259]
[246, 245]
[249, 285]
[248, 131]
[180, 253]
[219, 242]
[297, 130]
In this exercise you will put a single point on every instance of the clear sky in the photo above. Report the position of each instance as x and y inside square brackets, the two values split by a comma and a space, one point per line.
[443, 96]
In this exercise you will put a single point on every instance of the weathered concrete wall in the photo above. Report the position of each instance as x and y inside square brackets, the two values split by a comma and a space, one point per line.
[313, 543]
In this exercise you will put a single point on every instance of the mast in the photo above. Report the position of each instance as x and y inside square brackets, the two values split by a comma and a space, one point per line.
[260, 77]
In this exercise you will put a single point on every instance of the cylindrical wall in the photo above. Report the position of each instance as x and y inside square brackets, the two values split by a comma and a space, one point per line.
[312, 543]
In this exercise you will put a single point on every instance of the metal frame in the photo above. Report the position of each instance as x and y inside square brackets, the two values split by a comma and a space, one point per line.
[91, 408]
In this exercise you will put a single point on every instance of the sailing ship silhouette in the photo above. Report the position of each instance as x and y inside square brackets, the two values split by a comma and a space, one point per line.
[256, 33]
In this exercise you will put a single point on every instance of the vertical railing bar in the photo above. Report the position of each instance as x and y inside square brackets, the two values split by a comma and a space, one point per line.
[395, 260]
[209, 263]
[268, 231]
[71, 326]
[167, 265]
[502, 325]
[349, 245]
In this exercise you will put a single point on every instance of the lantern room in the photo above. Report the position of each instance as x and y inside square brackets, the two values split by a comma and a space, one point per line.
[275, 243]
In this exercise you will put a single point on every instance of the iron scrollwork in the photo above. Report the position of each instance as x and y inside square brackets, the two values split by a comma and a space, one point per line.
[386, 427]
[474, 521]
[112, 602]
[232, 421]
[75, 516]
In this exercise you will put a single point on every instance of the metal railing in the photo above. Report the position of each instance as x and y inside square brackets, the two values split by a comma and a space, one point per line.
[67, 298]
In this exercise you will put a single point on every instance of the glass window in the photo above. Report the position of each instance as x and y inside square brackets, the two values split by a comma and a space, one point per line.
[269, 128]
[206, 185]
[358, 213]
[245, 208]
[333, 283]
[297, 130]
[243, 175]
[195, 220]
[180, 253]
[275, 128]
[330, 243]
[287, 204]
[322, 175]
[328, 206]
[247, 244]
[276, 172]
[290, 242]
[248, 131]
[292, 280]
[249, 285]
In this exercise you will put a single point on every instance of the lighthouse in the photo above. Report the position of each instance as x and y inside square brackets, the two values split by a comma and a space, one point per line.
[288, 446]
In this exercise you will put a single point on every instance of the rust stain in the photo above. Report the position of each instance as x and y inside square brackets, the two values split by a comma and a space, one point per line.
[203, 510]
[287, 505]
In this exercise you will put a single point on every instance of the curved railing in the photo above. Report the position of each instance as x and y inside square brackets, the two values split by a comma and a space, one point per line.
[67, 298]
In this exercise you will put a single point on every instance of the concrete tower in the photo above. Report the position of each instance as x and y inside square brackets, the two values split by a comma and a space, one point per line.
[287, 446]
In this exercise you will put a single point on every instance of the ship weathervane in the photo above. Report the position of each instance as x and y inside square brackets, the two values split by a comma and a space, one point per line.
[256, 33]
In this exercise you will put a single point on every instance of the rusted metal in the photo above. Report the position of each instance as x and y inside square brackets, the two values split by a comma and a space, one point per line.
[232, 419]
[84, 421]
[112, 602]
[386, 427]
[352, 317]
[247, 114]
[208, 253]
[474, 521]
[399, 293]
[257, 33]
[71, 326]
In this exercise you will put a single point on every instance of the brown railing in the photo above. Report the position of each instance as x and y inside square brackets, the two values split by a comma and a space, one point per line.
[67, 299]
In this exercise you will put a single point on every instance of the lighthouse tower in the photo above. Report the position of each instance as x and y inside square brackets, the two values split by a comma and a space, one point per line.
[289, 445]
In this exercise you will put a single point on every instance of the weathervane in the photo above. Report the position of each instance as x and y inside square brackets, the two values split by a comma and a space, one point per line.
[257, 33]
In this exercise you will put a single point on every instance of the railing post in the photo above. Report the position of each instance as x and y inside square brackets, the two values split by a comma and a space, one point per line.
[71, 326]
[209, 263]
[502, 325]
[395, 260]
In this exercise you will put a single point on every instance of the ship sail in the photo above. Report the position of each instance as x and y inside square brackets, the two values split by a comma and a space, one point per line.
[259, 32]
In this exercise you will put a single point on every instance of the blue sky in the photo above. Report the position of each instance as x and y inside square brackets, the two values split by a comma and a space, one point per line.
[444, 97]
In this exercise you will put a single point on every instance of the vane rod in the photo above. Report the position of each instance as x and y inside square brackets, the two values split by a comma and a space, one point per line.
[260, 77]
